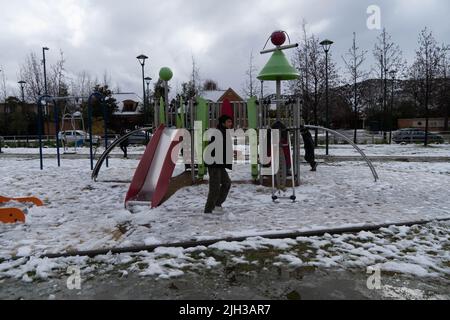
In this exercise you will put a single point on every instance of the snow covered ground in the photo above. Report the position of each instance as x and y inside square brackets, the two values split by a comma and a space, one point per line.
[80, 215]
[442, 150]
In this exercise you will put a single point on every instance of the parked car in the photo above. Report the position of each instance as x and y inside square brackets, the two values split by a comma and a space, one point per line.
[77, 136]
[414, 135]
[139, 138]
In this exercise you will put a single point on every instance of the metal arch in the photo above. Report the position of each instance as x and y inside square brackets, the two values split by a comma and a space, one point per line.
[369, 163]
[105, 154]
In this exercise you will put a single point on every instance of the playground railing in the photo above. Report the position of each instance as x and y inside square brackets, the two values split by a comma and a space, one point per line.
[32, 141]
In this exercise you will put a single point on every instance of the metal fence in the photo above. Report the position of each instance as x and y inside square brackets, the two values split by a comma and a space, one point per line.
[33, 141]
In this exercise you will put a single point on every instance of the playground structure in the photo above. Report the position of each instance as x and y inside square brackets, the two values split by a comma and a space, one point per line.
[15, 215]
[152, 179]
[73, 113]
[153, 175]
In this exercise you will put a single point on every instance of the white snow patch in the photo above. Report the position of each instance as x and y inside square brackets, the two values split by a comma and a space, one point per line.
[291, 259]
[403, 267]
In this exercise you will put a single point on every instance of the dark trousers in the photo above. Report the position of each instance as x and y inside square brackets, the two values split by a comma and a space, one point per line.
[309, 147]
[219, 186]
[124, 150]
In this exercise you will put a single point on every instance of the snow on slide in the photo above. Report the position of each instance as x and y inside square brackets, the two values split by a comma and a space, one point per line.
[152, 176]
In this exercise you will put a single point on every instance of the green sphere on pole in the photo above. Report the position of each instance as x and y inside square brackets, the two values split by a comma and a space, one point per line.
[165, 74]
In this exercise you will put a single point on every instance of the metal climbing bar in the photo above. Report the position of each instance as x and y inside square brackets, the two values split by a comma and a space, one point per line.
[369, 163]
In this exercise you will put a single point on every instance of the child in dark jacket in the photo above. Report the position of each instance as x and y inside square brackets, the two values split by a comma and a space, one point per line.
[219, 181]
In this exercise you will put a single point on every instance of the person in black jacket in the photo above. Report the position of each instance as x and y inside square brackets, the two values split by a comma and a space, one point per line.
[124, 144]
[309, 148]
[219, 181]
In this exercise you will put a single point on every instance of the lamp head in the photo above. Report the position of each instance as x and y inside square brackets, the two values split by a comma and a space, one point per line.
[142, 59]
[326, 44]
[393, 73]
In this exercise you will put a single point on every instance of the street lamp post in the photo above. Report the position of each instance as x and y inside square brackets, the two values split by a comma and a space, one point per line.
[46, 111]
[45, 69]
[141, 58]
[392, 73]
[147, 100]
[22, 84]
[4, 118]
[326, 44]
[385, 104]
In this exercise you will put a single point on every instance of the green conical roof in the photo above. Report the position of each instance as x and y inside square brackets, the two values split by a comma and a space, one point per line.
[278, 68]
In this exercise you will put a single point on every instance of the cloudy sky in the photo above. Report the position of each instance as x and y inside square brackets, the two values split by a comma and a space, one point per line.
[107, 35]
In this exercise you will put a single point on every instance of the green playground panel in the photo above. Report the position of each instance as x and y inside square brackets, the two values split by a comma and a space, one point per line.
[252, 113]
[203, 116]
[162, 111]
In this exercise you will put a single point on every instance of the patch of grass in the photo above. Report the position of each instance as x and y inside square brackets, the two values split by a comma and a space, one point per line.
[142, 265]
[294, 295]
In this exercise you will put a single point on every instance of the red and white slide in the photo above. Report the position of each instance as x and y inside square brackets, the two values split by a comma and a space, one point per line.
[152, 177]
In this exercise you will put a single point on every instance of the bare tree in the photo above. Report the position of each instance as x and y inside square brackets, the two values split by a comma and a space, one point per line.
[210, 85]
[32, 73]
[57, 80]
[353, 62]
[425, 70]
[444, 87]
[252, 86]
[195, 78]
[309, 60]
[300, 62]
[388, 57]
[82, 85]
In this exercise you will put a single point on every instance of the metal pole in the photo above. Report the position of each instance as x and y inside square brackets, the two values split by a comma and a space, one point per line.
[56, 112]
[143, 92]
[261, 110]
[381, 93]
[23, 95]
[105, 124]
[327, 120]
[166, 102]
[278, 83]
[385, 106]
[192, 116]
[147, 101]
[296, 164]
[355, 138]
[39, 106]
[4, 115]
[390, 113]
[91, 153]
[45, 71]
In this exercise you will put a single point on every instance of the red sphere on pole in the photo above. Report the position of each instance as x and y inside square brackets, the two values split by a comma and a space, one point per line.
[278, 38]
